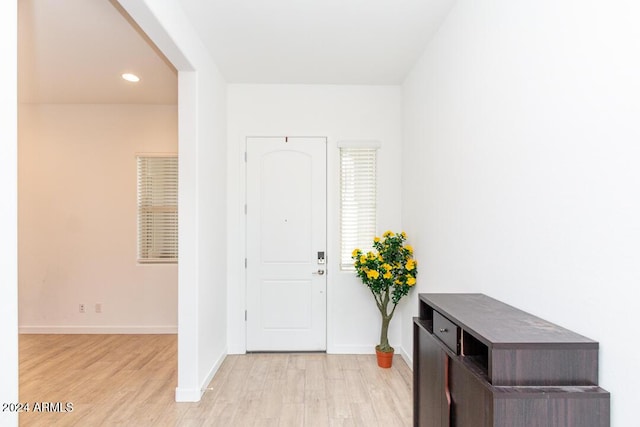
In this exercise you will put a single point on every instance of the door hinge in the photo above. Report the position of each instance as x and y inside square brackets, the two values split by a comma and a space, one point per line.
[245, 315]
[245, 263]
[245, 208]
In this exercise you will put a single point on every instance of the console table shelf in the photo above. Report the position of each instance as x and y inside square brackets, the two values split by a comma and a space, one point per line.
[481, 363]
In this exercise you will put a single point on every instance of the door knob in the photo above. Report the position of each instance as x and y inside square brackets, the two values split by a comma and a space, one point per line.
[319, 272]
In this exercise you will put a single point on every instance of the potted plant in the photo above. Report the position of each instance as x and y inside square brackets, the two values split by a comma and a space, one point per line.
[389, 271]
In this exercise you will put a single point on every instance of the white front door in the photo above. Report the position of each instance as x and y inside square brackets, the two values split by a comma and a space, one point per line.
[286, 244]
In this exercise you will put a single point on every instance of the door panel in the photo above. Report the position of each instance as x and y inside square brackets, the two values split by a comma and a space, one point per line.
[433, 411]
[286, 228]
[279, 313]
[286, 192]
[472, 402]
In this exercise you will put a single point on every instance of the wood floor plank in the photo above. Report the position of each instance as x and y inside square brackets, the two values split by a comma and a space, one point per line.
[338, 402]
[291, 415]
[294, 386]
[364, 414]
[356, 386]
[316, 413]
[130, 380]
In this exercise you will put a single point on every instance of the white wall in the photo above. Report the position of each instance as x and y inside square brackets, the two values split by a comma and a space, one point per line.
[338, 113]
[521, 174]
[8, 209]
[77, 220]
[202, 273]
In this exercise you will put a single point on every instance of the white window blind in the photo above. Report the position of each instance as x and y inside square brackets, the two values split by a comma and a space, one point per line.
[358, 201]
[157, 209]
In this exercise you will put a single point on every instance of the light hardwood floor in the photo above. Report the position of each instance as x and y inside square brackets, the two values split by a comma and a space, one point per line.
[130, 380]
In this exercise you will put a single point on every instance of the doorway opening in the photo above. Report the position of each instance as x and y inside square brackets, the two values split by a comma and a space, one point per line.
[80, 128]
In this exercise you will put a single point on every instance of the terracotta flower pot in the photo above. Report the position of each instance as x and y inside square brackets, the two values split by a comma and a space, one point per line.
[384, 359]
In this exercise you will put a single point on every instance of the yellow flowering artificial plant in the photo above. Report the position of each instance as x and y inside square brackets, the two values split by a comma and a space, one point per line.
[389, 271]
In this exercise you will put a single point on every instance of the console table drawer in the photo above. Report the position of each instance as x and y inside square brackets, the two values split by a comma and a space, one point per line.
[447, 331]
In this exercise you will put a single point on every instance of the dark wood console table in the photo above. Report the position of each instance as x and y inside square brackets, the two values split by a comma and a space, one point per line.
[478, 362]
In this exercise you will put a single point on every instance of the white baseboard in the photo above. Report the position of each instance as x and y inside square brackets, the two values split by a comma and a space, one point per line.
[407, 358]
[355, 349]
[352, 349]
[194, 395]
[74, 329]
[362, 349]
[205, 384]
[188, 394]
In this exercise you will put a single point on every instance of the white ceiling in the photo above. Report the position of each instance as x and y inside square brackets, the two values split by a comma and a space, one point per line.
[74, 51]
[316, 41]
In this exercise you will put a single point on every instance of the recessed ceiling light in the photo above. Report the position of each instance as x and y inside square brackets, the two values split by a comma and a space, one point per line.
[130, 77]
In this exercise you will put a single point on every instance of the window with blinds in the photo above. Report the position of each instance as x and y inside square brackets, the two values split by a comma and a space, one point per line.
[157, 209]
[357, 201]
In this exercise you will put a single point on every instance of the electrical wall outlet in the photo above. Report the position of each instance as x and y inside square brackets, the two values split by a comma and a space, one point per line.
[98, 307]
[81, 308]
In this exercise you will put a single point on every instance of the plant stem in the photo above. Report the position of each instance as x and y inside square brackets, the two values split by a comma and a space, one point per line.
[386, 319]
[384, 331]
